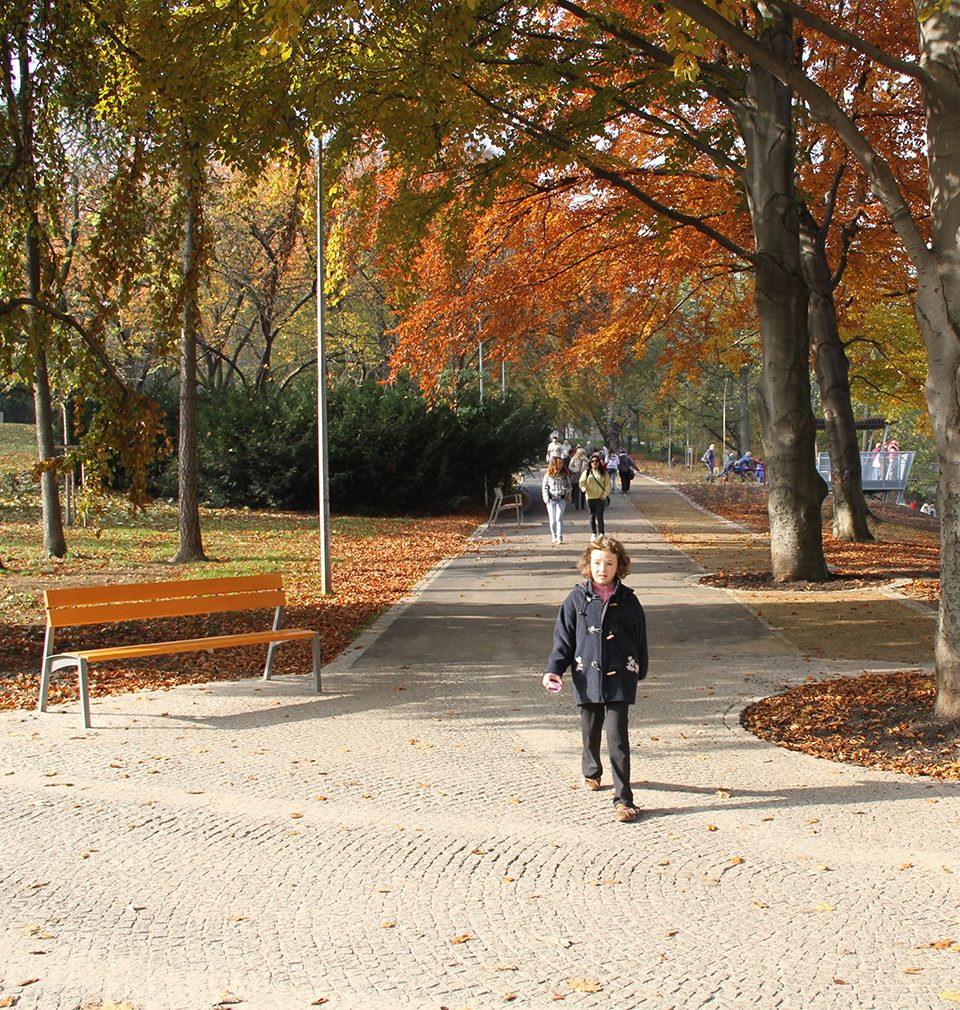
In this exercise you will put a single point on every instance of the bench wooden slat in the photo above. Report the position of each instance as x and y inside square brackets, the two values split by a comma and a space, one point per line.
[108, 653]
[82, 596]
[105, 613]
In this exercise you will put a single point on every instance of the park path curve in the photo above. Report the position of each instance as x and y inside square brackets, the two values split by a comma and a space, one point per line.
[418, 837]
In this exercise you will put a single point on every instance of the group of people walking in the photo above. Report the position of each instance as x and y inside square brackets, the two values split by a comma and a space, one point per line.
[586, 481]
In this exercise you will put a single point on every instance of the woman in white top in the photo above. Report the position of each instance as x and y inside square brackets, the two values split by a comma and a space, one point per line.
[556, 494]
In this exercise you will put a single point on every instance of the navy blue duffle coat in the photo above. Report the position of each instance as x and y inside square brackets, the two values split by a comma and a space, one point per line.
[604, 644]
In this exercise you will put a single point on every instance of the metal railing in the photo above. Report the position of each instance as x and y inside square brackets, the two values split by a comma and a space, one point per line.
[880, 472]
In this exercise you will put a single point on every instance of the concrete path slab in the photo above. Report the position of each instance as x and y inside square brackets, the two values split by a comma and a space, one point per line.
[418, 837]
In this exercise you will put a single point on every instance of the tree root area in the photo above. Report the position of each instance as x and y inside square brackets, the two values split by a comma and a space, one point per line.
[882, 721]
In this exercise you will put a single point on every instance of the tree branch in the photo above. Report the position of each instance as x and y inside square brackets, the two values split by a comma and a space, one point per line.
[825, 108]
[614, 178]
[857, 43]
[8, 306]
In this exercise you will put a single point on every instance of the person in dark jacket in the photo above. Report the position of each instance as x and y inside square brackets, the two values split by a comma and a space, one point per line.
[600, 633]
[627, 471]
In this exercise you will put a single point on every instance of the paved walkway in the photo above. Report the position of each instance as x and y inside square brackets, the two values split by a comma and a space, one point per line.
[417, 837]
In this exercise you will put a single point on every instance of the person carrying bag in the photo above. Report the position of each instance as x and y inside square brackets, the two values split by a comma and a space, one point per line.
[595, 484]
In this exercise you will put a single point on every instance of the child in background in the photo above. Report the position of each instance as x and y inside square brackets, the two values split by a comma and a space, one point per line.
[601, 633]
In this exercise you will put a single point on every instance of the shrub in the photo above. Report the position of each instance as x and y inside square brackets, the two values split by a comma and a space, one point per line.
[389, 452]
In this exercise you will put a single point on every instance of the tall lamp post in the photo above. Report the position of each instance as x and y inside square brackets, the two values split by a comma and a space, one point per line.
[723, 428]
[322, 453]
[481, 371]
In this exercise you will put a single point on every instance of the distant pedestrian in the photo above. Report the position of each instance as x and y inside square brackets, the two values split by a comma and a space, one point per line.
[577, 465]
[556, 494]
[626, 470]
[595, 484]
[893, 459]
[709, 460]
[600, 635]
[612, 464]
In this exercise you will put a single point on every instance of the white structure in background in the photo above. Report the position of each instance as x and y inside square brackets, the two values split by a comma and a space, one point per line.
[881, 471]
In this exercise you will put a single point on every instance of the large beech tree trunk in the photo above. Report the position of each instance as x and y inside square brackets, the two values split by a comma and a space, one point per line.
[942, 333]
[937, 310]
[796, 490]
[832, 370]
[191, 543]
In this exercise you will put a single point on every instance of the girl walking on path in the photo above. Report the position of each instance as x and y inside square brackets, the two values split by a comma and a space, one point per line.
[556, 494]
[595, 484]
[601, 633]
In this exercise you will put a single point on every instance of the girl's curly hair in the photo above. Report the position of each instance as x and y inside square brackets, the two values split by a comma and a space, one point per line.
[605, 543]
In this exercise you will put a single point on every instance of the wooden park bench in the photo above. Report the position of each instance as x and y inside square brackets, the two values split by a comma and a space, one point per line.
[144, 601]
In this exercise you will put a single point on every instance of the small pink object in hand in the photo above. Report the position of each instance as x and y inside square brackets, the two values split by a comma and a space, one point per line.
[554, 685]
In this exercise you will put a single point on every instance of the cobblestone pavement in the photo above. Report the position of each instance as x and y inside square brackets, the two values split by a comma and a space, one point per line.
[418, 837]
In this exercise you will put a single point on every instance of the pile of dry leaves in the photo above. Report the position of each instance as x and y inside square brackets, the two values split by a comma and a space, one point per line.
[880, 720]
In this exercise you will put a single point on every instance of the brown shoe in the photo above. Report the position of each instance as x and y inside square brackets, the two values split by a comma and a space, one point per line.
[625, 814]
[592, 784]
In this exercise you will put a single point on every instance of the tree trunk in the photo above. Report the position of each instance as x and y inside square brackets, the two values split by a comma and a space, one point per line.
[614, 433]
[191, 543]
[796, 490]
[54, 541]
[942, 334]
[937, 309]
[832, 370]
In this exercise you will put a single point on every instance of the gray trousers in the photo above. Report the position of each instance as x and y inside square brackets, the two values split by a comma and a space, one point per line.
[612, 718]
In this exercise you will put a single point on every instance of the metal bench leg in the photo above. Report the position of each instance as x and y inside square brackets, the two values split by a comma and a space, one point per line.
[272, 647]
[45, 670]
[82, 670]
[316, 662]
[268, 669]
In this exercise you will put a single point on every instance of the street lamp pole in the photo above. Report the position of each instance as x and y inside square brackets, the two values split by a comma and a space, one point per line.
[723, 429]
[481, 371]
[323, 477]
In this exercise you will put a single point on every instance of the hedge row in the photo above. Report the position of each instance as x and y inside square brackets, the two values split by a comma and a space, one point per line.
[389, 450]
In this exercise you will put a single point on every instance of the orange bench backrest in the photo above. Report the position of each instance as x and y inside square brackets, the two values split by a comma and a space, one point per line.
[138, 601]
